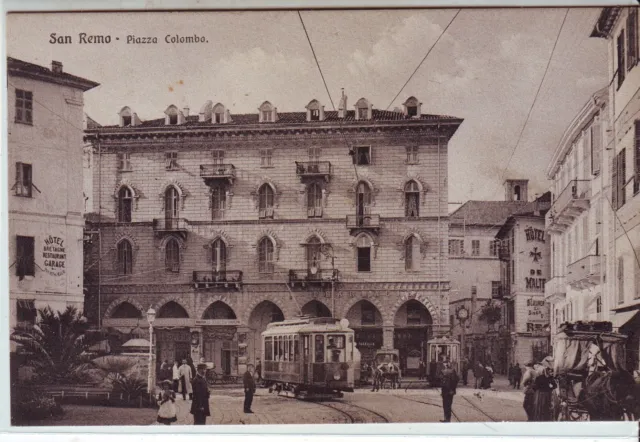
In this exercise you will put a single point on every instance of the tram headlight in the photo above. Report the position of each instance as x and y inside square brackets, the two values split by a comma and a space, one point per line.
[336, 376]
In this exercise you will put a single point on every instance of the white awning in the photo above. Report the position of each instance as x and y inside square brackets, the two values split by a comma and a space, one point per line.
[619, 319]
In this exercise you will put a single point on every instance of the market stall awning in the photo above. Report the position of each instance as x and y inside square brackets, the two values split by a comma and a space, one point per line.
[620, 319]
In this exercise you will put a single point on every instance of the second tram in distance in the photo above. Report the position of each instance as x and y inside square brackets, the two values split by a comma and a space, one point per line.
[310, 357]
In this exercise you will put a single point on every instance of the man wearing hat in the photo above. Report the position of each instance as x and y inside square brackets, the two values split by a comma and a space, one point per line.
[200, 403]
[249, 388]
[448, 390]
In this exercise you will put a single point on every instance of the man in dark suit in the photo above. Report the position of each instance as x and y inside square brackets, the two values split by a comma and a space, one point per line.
[249, 388]
[200, 403]
[448, 389]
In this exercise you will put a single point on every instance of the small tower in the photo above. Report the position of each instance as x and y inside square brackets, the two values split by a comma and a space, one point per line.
[516, 190]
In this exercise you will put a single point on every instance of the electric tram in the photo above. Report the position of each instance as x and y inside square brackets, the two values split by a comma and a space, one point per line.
[310, 357]
[441, 350]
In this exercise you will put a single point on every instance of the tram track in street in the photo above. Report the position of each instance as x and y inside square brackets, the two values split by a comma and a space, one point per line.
[355, 414]
[479, 409]
[453, 414]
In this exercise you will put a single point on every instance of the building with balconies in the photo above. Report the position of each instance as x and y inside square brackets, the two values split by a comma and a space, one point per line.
[474, 266]
[579, 221]
[619, 26]
[45, 201]
[224, 223]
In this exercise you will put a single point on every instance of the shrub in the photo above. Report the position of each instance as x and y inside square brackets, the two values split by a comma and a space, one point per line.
[132, 387]
[28, 405]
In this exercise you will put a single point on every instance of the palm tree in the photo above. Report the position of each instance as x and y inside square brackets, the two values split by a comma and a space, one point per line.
[56, 347]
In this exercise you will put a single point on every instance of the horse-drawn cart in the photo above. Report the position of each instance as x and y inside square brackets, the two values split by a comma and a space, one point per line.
[593, 384]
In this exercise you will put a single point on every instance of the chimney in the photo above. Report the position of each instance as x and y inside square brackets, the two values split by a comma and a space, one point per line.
[185, 111]
[342, 107]
[56, 67]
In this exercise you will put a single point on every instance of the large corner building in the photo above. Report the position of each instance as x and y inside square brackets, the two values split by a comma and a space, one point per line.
[223, 223]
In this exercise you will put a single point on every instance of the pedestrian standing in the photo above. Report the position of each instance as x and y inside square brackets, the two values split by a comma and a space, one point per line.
[465, 370]
[422, 370]
[449, 384]
[193, 367]
[510, 375]
[175, 376]
[517, 375]
[543, 387]
[259, 370]
[249, 388]
[528, 379]
[186, 375]
[164, 370]
[478, 371]
[200, 404]
[167, 412]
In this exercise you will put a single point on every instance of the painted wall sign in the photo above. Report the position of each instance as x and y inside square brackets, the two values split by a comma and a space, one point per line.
[536, 310]
[55, 256]
[535, 284]
[534, 234]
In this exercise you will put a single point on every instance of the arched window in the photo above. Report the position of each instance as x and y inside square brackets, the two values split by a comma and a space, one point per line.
[363, 201]
[265, 256]
[171, 203]
[219, 255]
[172, 255]
[125, 204]
[363, 245]
[125, 257]
[266, 198]
[314, 200]
[412, 253]
[218, 201]
[412, 199]
[314, 247]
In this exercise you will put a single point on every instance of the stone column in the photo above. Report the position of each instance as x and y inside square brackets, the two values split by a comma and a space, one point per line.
[244, 333]
[387, 336]
[196, 344]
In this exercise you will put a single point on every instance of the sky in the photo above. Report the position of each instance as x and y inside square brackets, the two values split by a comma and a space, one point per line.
[485, 69]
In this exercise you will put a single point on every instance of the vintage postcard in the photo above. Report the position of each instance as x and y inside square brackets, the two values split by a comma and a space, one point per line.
[324, 216]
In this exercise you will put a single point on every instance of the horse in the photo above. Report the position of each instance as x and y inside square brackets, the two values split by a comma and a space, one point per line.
[386, 372]
[609, 396]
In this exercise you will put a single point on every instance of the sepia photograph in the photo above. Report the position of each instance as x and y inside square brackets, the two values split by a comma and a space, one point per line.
[323, 216]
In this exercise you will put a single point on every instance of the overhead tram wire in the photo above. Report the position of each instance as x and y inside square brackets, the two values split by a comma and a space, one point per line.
[535, 99]
[423, 60]
[328, 93]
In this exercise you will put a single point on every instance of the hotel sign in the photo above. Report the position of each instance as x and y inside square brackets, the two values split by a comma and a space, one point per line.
[55, 256]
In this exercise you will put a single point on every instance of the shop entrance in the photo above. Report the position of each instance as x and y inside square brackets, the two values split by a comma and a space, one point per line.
[411, 334]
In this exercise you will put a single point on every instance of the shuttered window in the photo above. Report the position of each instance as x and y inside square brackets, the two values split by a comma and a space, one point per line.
[632, 38]
[620, 54]
[620, 280]
[25, 256]
[596, 147]
[618, 174]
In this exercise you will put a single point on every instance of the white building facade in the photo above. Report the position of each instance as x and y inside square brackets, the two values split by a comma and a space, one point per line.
[45, 198]
[579, 221]
[620, 27]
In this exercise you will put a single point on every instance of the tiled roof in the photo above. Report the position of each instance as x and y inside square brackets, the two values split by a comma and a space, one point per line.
[488, 213]
[91, 123]
[295, 118]
[26, 69]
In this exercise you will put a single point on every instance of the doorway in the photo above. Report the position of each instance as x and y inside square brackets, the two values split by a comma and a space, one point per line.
[182, 350]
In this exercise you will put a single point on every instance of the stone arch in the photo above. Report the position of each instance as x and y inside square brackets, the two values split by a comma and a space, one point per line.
[353, 242]
[255, 193]
[420, 236]
[353, 189]
[318, 234]
[183, 193]
[177, 299]
[274, 299]
[266, 106]
[423, 188]
[362, 102]
[277, 244]
[222, 236]
[124, 236]
[115, 303]
[135, 193]
[225, 299]
[220, 305]
[316, 306]
[423, 298]
[376, 303]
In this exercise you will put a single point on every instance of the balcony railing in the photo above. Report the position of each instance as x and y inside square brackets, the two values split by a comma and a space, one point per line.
[585, 272]
[305, 277]
[571, 202]
[363, 222]
[212, 172]
[555, 289]
[170, 225]
[313, 169]
[211, 279]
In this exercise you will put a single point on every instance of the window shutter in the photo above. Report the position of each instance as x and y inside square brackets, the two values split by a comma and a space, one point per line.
[614, 183]
[18, 183]
[596, 147]
[621, 55]
[632, 38]
[622, 175]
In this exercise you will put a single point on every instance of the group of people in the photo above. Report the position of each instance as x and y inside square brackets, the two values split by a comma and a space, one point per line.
[483, 375]
[191, 381]
[538, 382]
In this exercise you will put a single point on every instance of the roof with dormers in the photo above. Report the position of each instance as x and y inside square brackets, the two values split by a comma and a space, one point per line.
[36, 72]
[293, 118]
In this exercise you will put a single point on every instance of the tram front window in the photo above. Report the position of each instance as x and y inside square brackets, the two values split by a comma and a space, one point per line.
[336, 348]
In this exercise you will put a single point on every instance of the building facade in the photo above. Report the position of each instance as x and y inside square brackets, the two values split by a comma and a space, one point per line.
[45, 112]
[619, 26]
[474, 267]
[579, 220]
[223, 223]
[525, 267]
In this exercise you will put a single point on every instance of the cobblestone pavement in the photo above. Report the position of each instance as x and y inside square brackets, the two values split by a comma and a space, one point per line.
[362, 406]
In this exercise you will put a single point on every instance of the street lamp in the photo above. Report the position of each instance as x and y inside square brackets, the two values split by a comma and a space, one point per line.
[151, 316]
[324, 251]
[463, 314]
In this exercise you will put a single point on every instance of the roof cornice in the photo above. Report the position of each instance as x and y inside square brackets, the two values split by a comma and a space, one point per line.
[76, 83]
[595, 104]
[605, 22]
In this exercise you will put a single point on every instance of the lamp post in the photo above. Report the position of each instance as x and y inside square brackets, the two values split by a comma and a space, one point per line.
[324, 251]
[463, 314]
[151, 316]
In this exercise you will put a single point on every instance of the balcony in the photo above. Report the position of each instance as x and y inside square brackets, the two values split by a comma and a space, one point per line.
[555, 289]
[212, 173]
[569, 205]
[504, 252]
[304, 278]
[314, 169]
[163, 226]
[213, 279]
[358, 223]
[585, 273]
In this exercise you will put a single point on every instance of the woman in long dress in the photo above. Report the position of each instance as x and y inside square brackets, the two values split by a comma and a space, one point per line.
[528, 380]
[543, 387]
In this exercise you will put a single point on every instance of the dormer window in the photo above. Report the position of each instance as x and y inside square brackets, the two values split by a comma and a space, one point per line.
[315, 111]
[363, 112]
[267, 116]
[219, 117]
[412, 111]
[174, 116]
[220, 114]
[173, 119]
[315, 115]
[267, 113]
[127, 117]
[126, 121]
[412, 107]
[363, 109]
